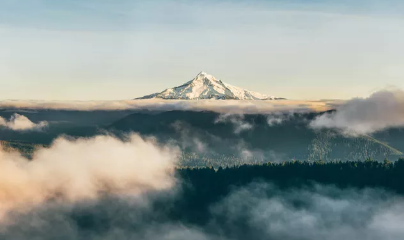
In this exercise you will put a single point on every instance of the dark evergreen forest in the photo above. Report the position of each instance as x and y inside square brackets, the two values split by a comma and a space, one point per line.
[204, 186]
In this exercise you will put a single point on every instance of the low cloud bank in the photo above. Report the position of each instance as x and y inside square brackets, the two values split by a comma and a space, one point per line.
[187, 139]
[262, 211]
[225, 106]
[75, 170]
[256, 211]
[381, 110]
[19, 122]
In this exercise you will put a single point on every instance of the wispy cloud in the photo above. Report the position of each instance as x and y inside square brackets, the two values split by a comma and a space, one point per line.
[236, 120]
[322, 212]
[277, 118]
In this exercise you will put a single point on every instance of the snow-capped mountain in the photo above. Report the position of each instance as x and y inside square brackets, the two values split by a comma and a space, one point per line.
[205, 86]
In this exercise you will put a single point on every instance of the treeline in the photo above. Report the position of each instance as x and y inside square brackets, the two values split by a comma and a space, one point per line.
[204, 186]
[360, 174]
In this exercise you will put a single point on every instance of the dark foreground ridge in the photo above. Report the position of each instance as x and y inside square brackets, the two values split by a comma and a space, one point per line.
[205, 186]
[276, 201]
[357, 174]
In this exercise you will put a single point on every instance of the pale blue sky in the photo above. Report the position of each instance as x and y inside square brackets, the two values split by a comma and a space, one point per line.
[121, 49]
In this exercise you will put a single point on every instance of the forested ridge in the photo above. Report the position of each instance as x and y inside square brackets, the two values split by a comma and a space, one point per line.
[202, 187]
[368, 173]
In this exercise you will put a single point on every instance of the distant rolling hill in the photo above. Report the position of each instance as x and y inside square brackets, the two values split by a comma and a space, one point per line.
[210, 138]
[254, 137]
[61, 122]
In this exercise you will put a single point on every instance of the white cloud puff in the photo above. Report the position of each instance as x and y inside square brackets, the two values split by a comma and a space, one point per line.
[19, 122]
[73, 170]
[381, 110]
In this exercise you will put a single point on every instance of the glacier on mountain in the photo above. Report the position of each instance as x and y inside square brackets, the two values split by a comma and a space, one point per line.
[206, 86]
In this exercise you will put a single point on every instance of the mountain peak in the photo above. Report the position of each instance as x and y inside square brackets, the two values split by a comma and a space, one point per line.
[206, 86]
[204, 75]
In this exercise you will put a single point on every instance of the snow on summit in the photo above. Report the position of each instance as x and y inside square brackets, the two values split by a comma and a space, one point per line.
[206, 86]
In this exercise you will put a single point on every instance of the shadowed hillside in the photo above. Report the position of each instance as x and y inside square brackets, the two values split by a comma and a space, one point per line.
[254, 138]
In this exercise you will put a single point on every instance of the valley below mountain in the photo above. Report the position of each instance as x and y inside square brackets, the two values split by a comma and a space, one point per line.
[209, 138]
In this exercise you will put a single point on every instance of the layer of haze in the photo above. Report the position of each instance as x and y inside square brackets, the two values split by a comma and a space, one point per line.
[228, 106]
[381, 110]
[103, 50]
